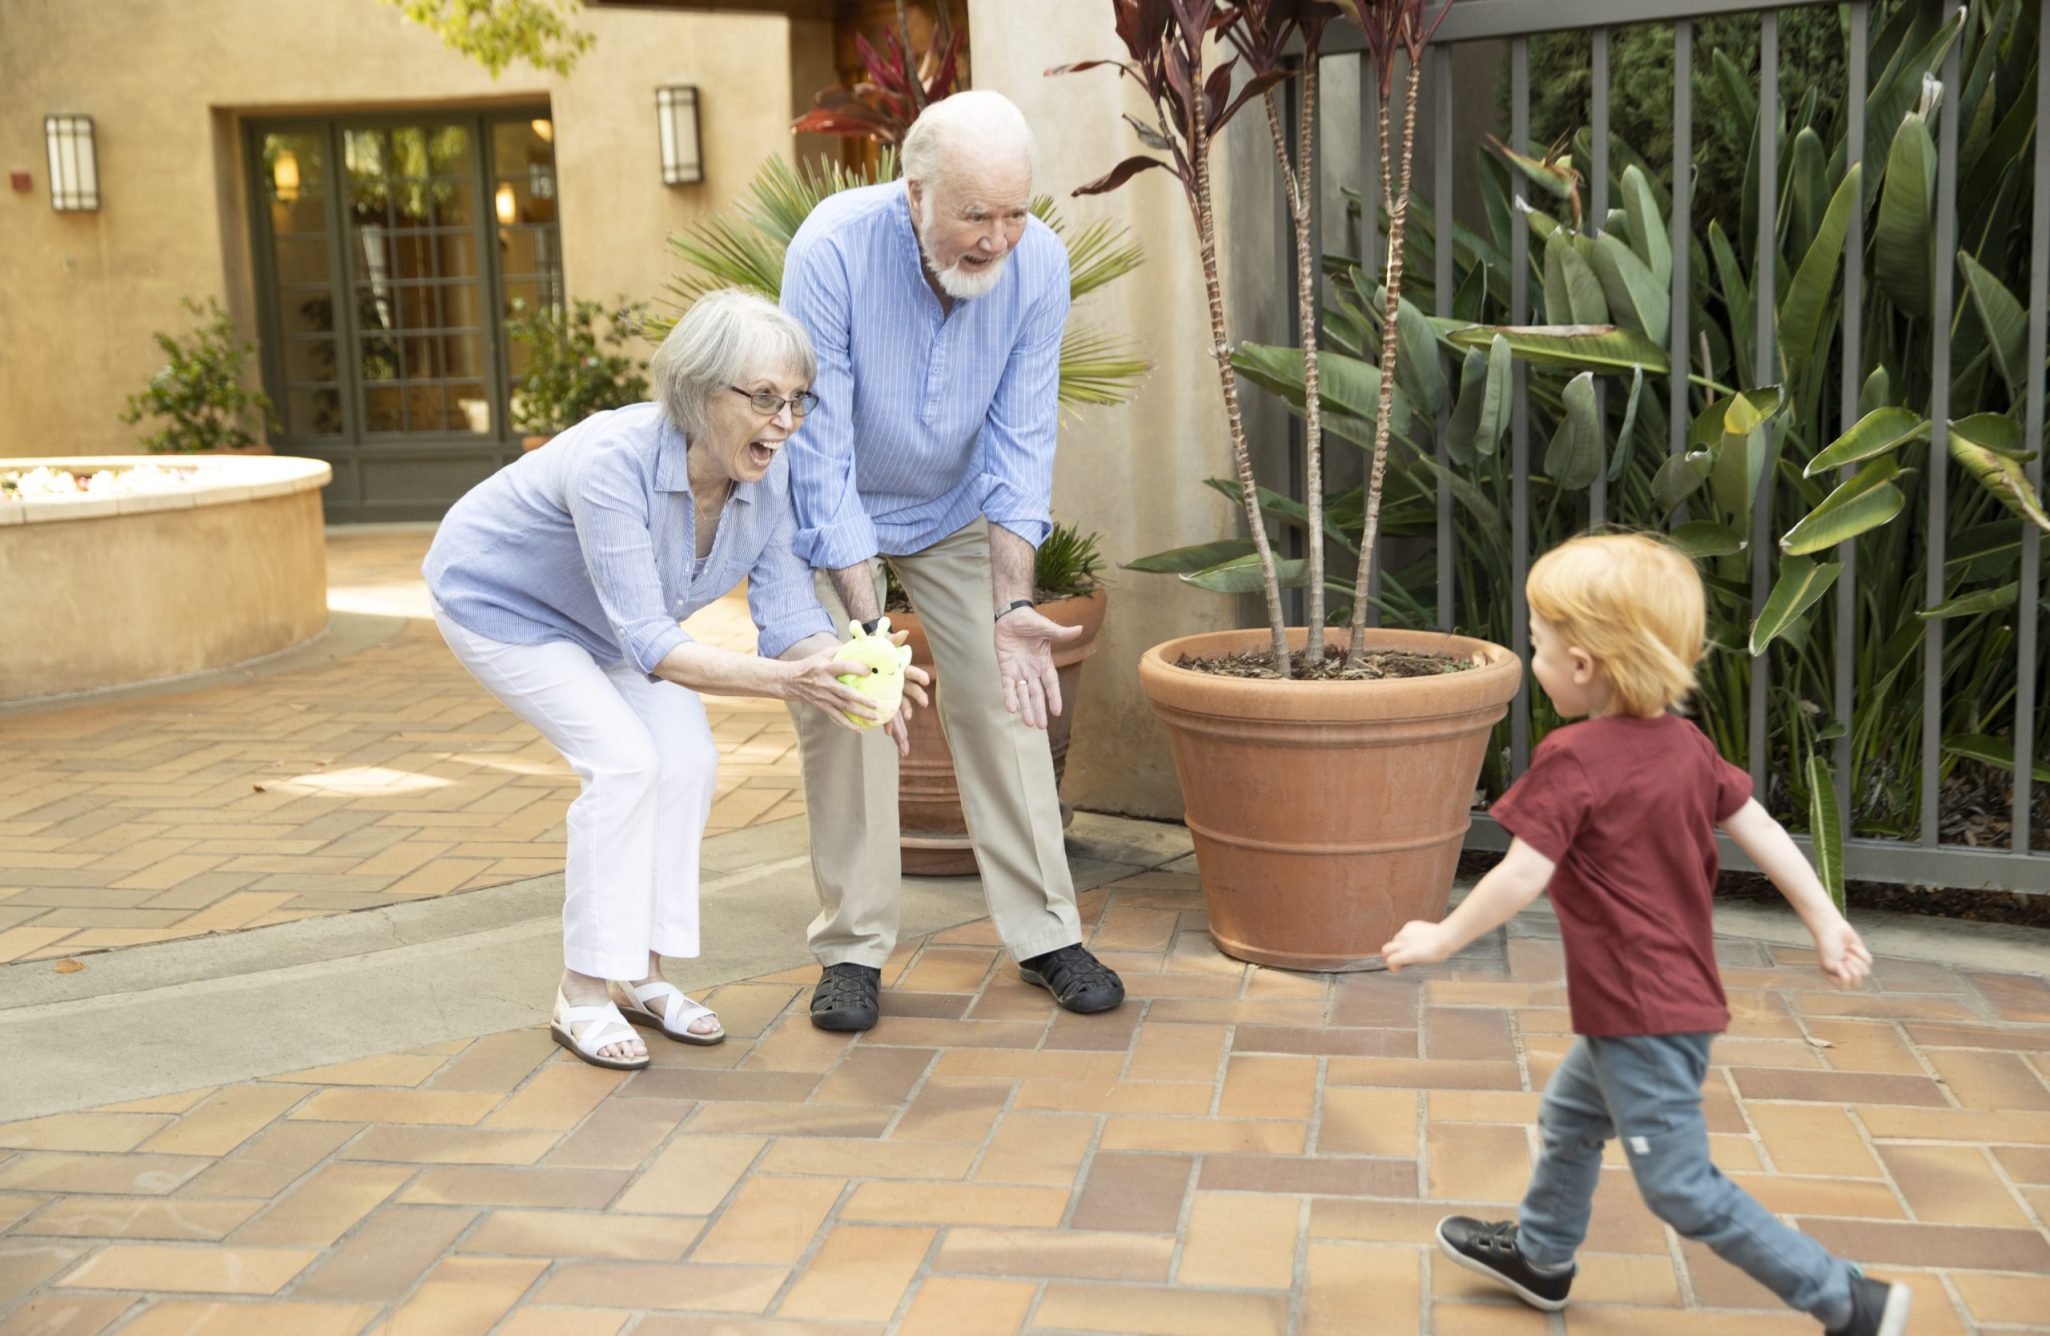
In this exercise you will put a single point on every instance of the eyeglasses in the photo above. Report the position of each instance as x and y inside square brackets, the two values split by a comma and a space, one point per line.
[769, 403]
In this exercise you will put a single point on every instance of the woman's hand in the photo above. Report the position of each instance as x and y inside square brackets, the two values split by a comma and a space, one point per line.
[915, 682]
[816, 681]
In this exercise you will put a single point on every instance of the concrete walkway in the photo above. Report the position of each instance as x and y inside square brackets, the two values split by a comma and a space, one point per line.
[350, 1122]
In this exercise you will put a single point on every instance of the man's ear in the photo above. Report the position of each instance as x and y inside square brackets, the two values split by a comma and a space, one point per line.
[914, 191]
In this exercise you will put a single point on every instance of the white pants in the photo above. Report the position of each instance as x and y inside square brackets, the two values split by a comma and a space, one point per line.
[645, 755]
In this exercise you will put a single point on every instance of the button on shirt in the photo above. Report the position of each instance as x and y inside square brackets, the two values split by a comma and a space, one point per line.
[591, 540]
[926, 419]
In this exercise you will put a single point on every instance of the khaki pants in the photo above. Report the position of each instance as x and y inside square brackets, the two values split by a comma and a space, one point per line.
[1004, 767]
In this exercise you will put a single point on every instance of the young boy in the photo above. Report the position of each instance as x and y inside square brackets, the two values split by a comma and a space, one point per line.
[1618, 815]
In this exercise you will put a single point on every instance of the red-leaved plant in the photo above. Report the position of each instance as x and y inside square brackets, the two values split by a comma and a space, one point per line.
[883, 106]
[1165, 41]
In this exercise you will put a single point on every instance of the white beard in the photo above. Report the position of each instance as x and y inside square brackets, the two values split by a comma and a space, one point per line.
[957, 282]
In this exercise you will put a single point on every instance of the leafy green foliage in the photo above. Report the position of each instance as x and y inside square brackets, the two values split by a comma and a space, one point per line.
[199, 390]
[1836, 470]
[573, 372]
[495, 33]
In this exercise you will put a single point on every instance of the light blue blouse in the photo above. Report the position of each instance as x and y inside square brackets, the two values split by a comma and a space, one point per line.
[591, 539]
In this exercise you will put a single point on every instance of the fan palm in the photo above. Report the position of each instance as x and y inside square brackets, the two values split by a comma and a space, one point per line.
[744, 248]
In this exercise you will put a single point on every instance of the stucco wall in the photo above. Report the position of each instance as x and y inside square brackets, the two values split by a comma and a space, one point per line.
[1134, 474]
[166, 85]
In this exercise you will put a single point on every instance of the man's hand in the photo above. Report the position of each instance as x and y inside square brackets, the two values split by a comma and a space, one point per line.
[1841, 953]
[1418, 943]
[1025, 641]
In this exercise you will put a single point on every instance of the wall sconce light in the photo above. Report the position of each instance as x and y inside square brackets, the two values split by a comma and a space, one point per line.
[284, 177]
[508, 207]
[543, 128]
[676, 116]
[74, 166]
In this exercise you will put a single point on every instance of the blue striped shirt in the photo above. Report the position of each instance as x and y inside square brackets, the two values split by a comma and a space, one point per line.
[925, 420]
[591, 539]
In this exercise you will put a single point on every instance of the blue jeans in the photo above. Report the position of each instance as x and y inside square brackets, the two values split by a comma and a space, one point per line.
[1647, 1089]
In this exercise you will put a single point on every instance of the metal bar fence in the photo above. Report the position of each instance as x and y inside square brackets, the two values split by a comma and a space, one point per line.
[1922, 857]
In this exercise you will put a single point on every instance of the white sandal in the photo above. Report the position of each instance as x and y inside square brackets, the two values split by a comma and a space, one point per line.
[678, 1011]
[606, 1027]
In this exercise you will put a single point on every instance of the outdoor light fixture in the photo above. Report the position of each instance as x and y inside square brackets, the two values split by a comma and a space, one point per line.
[543, 128]
[508, 207]
[676, 115]
[284, 177]
[74, 167]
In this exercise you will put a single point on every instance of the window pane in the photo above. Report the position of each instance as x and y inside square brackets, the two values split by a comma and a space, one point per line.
[426, 409]
[463, 356]
[460, 308]
[454, 204]
[309, 359]
[295, 181]
[423, 357]
[381, 410]
[517, 145]
[313, 410]
[418, 308]
[301, 260]
[472, 408]
[305, 311]
[381, 359]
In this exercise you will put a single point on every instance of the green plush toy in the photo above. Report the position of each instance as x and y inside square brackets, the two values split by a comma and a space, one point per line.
[884, 681]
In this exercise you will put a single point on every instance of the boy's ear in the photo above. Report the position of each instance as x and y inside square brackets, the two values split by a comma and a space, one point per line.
[1584, 666]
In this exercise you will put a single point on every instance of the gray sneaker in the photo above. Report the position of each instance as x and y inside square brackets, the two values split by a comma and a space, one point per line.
[1878, 1307]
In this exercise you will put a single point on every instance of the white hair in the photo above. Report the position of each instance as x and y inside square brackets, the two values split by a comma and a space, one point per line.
[978, 125]
[727, 337]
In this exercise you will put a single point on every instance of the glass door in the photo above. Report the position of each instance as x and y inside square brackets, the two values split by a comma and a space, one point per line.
[390, 251]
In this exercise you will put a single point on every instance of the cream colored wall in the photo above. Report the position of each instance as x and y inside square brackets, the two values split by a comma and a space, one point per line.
[166, 85]
[1134, 474]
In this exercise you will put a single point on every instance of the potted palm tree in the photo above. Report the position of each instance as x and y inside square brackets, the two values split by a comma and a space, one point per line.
[1328, 772]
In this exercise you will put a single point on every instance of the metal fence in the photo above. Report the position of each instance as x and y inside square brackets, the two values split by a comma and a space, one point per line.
[1924, 858]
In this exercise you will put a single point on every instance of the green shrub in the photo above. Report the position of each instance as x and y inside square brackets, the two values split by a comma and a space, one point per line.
[200, 390]
[571, 372]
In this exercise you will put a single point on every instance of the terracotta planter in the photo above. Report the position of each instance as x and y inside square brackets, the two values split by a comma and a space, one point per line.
[1328, 814]
[934, 833]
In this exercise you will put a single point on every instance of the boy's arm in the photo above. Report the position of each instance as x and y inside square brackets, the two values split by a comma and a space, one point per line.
[1838, 948]
[1510, 885]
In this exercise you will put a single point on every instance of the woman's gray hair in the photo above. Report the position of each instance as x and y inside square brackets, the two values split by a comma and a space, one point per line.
[726, 338]
[979, 122]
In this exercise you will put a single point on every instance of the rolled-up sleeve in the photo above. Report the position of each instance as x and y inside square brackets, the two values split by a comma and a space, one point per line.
[1024, 420]
[610, 505]
[780, 591]
[833, 529]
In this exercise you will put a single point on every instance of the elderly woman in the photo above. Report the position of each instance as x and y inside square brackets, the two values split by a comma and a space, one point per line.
[560, 583]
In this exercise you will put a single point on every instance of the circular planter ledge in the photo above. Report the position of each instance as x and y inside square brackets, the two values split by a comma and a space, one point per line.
[109, 591]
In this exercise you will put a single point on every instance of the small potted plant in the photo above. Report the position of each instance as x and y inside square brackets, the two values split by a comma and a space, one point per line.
[199, 392]
[573, 372]
[1067, 588]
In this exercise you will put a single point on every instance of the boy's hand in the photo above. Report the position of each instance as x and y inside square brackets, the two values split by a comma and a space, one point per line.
[1841, 953]
[1418, 943]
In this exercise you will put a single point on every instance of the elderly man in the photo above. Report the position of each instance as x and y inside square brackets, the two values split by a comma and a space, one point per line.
[936, 304]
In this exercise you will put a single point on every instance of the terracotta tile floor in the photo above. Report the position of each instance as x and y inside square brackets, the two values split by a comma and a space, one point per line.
[1235, 1151]
[381, 777]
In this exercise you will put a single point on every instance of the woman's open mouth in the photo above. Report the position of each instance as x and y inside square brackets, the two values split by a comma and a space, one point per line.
[762, 453]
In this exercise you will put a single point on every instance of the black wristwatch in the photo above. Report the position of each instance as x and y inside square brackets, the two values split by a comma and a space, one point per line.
[869, 628]
[1012, 607]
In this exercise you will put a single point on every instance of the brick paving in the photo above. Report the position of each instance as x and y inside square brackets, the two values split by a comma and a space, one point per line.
[1237, 1150]
[378, 778]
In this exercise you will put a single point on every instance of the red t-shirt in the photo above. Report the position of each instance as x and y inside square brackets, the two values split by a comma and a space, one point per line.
[1627, 807]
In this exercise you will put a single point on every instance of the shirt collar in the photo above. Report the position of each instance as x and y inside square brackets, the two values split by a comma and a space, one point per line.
[672, 465]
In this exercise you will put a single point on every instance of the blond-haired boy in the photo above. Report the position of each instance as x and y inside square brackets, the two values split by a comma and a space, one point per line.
[1618, 815]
